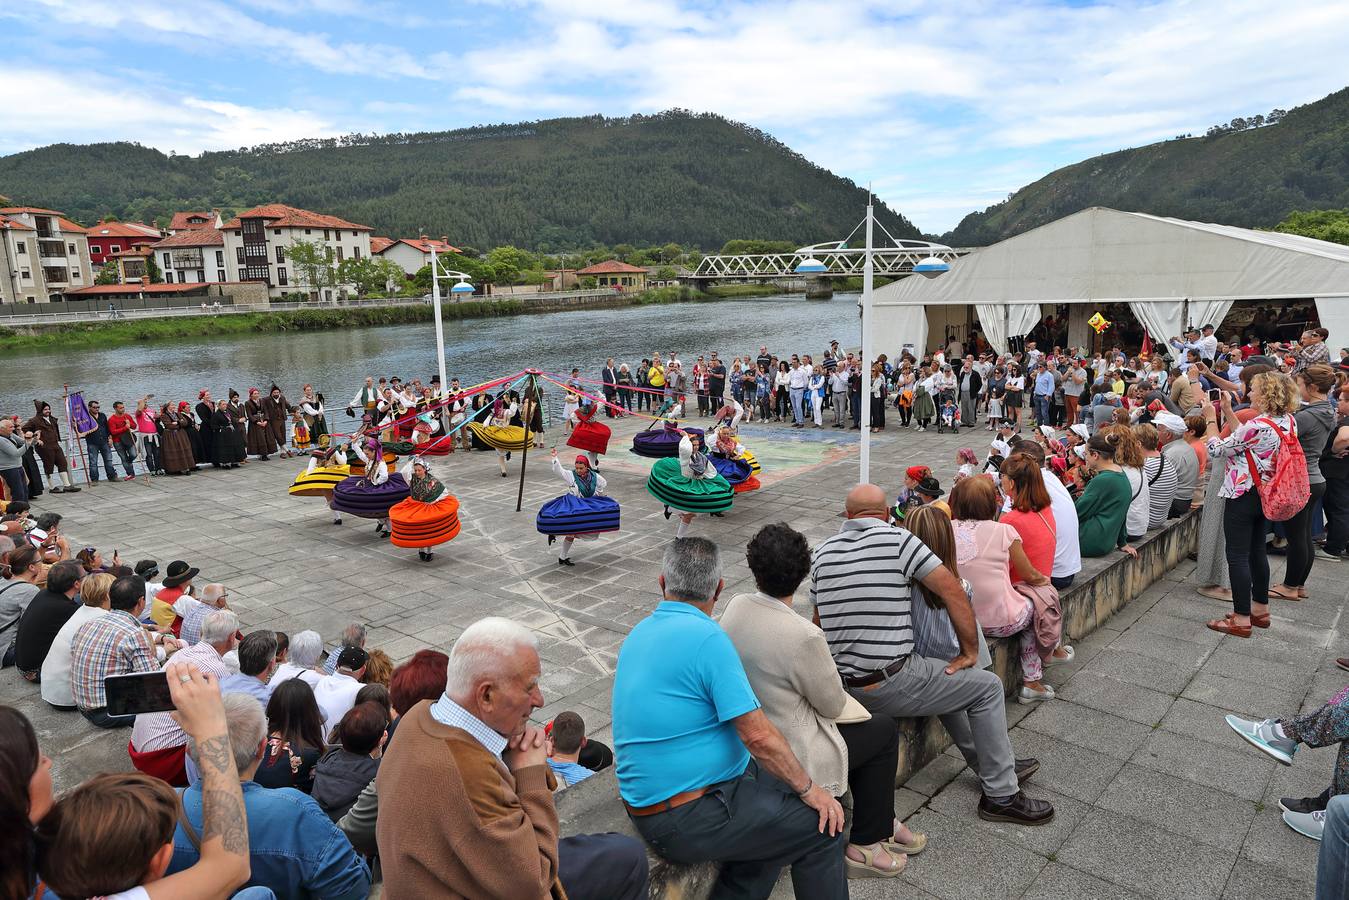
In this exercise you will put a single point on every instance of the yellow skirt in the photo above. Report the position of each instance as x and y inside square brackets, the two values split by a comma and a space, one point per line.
[502, 437]
[318, 483]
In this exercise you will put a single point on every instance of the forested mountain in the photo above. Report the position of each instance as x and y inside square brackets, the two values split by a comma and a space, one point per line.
[1237, 174]
[697, 180]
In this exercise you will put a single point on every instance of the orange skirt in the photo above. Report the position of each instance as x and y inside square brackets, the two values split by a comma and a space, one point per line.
[415, 524]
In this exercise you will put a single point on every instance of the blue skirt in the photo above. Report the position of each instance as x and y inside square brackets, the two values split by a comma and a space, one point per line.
[658, 443]
[733, 470]
[571, 515]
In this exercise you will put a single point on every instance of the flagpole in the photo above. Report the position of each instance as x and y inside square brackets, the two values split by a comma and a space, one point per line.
[868, 273]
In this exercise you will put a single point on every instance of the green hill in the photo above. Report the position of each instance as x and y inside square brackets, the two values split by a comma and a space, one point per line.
[1251, 178]
[697, 180]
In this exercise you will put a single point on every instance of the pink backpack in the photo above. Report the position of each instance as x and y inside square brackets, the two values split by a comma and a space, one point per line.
[1284, 493]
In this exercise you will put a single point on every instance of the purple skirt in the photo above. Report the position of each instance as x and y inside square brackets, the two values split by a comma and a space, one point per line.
[658, 443]
[360, 498]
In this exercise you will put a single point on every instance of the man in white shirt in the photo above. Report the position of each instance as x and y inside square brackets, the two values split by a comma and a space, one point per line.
[799, 381]
[303, 660]
[1208, 344]
[336, 693]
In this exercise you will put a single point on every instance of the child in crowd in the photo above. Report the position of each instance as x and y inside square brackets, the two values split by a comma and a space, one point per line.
[998, 452]
[566, 736]
[299, 430]
[967, 463]
[950, 416]
[908, 496]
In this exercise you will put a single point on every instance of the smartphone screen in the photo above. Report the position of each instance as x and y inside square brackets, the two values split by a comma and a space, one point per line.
[1215, 394]
[139, 692]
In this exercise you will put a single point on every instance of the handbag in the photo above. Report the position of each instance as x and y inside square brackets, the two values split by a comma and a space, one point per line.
[935, 637]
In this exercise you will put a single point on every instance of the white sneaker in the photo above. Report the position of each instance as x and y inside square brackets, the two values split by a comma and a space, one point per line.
[1306, 824]
[1262, 736]
[1029, 695]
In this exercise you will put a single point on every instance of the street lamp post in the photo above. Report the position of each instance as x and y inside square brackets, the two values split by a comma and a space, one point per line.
[438, 273]
[929, 267]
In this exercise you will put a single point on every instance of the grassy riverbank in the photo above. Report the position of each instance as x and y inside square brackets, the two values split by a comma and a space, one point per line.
[76, 335]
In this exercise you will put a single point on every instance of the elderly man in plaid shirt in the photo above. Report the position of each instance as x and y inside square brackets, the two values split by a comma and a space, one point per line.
[115, 643]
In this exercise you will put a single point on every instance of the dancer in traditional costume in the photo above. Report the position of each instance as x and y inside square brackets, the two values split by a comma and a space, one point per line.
[315, 416]
[689, 484]
[588, 435]
[372, 495]
[325, 472]
[206, 415]
[48, 447]
[430, 514]
[531, 412]
[223, 428]
[501, 435]
[733, 462]
[189, 423]
[585, 511]
[276, 411]
[365, 398]
[175, 453]
[660, 440]
[260, 441]
[239, 446]
[299, 431]
[730, 413]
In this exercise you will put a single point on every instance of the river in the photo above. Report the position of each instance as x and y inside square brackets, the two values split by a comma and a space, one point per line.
[336, 362]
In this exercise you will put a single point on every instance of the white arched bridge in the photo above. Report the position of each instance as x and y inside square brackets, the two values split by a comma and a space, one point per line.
[826, 260]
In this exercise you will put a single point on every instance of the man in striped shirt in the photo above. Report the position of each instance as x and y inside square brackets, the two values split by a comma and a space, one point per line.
[861, 585]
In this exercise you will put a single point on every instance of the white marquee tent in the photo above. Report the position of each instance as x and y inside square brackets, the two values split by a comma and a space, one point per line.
[1171, 273]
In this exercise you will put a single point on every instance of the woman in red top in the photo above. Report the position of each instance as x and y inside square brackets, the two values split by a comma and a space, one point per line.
[1031, 514]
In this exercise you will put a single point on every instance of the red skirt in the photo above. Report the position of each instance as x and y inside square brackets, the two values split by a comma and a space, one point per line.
[416, 524]
[590, 436]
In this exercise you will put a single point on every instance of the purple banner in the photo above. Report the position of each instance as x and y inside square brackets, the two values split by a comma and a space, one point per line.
[80, 420]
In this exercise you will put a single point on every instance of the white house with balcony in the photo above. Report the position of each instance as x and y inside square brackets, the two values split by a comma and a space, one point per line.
[44, 254]
[257, 242]
[195, 255]
[411, 254]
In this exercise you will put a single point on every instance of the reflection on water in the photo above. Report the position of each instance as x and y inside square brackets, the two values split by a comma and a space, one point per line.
[337, 361]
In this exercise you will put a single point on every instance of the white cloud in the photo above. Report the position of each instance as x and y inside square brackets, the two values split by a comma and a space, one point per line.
[56, 106]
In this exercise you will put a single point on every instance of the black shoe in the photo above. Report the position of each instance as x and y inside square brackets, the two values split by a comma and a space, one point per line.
[564, 562]
[1305, 804]
[61, 490]
[1027, 767]
[1019, 810]
[667, 512]
[72, 490]
[718, 515]
[503, 474]
[508, 456]
[264, 457]
[552, 538]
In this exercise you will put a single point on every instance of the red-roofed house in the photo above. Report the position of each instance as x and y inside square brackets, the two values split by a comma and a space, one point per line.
[613, 273]
[257, 239]
[44, 254]
[192, 255]
[182, 221]
[379, 244]
[107, 238]
[412, 254]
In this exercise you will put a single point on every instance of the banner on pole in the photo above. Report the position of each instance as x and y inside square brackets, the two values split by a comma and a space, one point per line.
[80, 419]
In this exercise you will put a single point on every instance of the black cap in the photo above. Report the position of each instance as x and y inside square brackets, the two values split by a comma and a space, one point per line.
[352, 658]
[930, 487]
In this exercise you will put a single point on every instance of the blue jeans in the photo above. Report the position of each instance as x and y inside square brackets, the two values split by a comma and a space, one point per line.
[1332, 866]
[100, 451]
[753, 825]
[1042, 409]
[798, 396]
[18, 485]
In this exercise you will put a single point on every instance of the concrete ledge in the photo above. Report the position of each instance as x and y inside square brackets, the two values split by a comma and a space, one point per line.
[1104, 586]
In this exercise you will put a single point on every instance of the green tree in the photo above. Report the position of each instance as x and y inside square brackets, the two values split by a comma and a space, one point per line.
[671, 252]
[107, 274]
[370, 276]
[313, 265]
[1322, 224]
[665, 273]
[152, 269]
[508, 262]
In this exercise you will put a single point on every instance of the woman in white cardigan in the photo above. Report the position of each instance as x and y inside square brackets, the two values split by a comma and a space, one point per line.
[789, 666]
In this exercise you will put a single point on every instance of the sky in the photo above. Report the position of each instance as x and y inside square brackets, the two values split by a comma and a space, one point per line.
[943, 108]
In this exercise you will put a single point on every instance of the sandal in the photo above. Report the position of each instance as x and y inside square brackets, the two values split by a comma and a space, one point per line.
[1229, 627]
[1216, 593]
[867, 867]
[1277, 590]
[1259, 620]
[913, 848]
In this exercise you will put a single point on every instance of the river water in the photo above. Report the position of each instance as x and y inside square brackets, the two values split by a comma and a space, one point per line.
[336, 362]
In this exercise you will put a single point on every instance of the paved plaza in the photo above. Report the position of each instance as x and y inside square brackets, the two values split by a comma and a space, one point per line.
[1155, 796]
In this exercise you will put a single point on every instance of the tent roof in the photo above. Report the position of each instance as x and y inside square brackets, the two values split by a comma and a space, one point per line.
[1100, 255]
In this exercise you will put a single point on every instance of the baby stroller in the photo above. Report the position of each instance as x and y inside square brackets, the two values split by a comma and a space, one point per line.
[950, 414]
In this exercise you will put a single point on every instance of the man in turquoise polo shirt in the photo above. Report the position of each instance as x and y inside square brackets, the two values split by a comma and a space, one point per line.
[703, 774]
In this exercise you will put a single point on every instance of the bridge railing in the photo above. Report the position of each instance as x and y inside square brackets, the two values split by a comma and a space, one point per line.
[842, 263]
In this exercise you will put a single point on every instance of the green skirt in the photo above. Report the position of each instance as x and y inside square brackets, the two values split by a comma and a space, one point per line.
[923, 407]
[696, 495]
